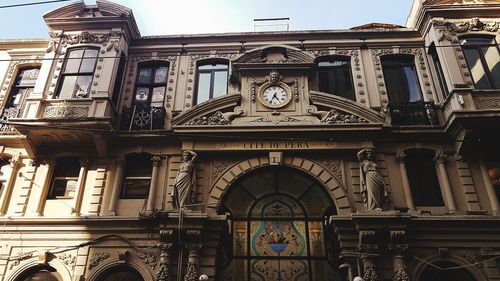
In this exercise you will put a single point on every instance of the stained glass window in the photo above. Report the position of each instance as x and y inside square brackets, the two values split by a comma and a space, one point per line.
[278, 227]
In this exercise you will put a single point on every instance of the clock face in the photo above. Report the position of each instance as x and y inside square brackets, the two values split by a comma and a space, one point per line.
[275, 96]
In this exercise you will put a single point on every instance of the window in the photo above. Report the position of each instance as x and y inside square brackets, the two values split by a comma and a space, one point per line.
[23, 87]
[483, 58]
[150, 85]
[494, 174]
[64, 178]
[401, 79]
[138, 169]
[77, 73]
[120, 273]
[335, 77]
[439, 71]
[212, 81]
[423, 179]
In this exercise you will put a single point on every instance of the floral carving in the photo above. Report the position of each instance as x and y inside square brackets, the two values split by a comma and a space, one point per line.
[68, 259]
[217, 118]
[98, 258]
[219, 168]
[335, 117]
[334, 167]
[148, 259]
[163, 274]
[400, 274]
[85, 38]
[380, 52]
[475, 24]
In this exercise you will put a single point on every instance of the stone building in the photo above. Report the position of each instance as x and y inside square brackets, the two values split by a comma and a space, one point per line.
[300, 155]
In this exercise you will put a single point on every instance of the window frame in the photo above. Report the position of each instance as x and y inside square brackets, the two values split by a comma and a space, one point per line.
[54, 178]
[151, 85]
[441, 78]
[122, 65]
[9, 102]
[484, 64]
[123, 191]
[332, 68]
[404, 60]
[212, 73]
[63, 73]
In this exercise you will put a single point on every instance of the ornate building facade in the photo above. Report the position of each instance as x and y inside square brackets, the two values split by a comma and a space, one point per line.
[301, 155]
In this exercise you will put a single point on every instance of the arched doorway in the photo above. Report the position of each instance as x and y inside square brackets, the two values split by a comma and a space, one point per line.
[278, 227]
[120, 273]
[446, 271]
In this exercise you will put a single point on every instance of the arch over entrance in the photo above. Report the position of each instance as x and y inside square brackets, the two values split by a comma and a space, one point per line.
[336, 189]
[447, 271]
[279, 227]
[120, 273]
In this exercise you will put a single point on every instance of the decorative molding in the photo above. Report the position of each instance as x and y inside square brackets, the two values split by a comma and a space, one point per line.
[474, 24]
[84, 38]
[192, 272]
[20, 257]
[148, 259]
[68, 259]
[66, 110]
[335, 117]
[471, 257]
[216, 119]
[219, 168]
[194, 58]
[98, 258]
[487, 103]
[334, 166]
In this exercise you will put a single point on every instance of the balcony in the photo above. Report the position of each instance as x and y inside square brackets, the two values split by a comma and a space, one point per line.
[141, 118]
[421, 113]
[5, 115]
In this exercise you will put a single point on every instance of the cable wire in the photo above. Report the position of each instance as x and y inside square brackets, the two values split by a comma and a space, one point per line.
[32, 3]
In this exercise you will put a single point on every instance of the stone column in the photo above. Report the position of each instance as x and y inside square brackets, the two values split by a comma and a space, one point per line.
[192, 270]
[117, 183]
[163, 273]
[9, 184]
[490, 189]
[406, 183]
[397, 246]
[153, 184]
[80, 186]
[440, 160]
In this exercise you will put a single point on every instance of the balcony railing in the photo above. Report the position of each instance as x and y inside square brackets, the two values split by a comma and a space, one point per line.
[5, 115]
[141, 118]
[420, 113]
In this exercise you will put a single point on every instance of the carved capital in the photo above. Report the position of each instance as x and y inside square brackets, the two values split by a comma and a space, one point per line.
[440, 159]
[156, 161]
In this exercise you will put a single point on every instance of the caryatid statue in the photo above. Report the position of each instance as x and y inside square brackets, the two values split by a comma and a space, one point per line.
[372, 183]
[184, 184]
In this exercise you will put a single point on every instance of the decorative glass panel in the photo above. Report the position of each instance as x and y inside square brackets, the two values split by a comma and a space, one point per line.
[279, 270]
[278, 238]
[277, 206]
[27, 77]
[316, 238]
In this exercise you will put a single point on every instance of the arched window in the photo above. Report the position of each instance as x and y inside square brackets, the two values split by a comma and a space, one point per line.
[137, 177]
[211, 81]
[120, 273]
[40, 273]
[335, 77]
[423, 178]
[278, 227]
[483, 59]
[77, 73]
[401, 79]
[64, 178]
[446, 271]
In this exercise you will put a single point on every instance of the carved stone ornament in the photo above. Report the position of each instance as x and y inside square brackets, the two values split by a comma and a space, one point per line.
[471, 257]
[66, 110]
[334, 167]
[20, 257]
[163, 273]
[148, 259]
[219, 168]
[84, 38]
[335, 117]
[68, 259]
[191, 272]
[216, 119]
[475, 24]
[371, 273]
[98, 258]
[400, 274]
[274, 78]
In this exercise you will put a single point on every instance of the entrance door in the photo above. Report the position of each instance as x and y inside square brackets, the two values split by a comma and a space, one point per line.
[279, 228]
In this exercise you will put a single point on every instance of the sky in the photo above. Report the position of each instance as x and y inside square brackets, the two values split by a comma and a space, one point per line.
[167, 17]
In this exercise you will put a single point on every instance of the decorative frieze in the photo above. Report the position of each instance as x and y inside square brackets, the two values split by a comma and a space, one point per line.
[85, 37]
[148, 259]
[335, 117]
[68, 259]
[474, 24]
[334, 166]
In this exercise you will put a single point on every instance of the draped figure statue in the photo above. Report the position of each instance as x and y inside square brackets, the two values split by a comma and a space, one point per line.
[184, 181]
[372, 183]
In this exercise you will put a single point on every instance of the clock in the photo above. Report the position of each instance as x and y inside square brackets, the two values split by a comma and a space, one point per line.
[275, 96]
